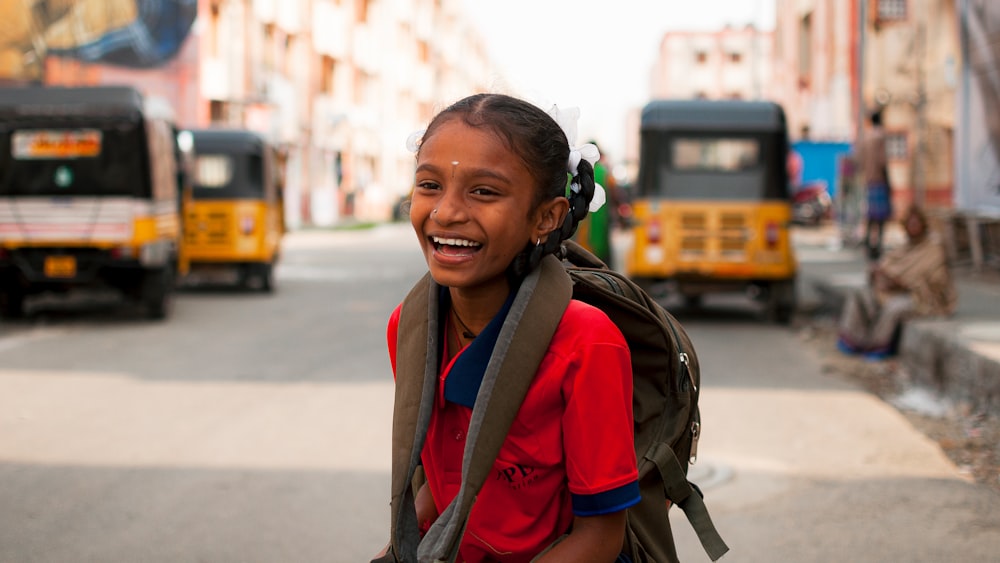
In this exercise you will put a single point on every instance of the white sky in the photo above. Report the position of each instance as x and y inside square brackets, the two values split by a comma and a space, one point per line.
[595, 54]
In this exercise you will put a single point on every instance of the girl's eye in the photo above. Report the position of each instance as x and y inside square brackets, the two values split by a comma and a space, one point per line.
[483, 190]
[428, 185]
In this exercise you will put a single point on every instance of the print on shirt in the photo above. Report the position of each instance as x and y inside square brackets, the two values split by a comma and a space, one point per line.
[515, 475]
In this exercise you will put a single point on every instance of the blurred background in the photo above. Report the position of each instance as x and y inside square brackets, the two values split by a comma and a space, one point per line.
[255, 425]
[339, 83]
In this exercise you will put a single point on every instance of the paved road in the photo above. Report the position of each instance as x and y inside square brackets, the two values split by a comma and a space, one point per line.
[256, 428]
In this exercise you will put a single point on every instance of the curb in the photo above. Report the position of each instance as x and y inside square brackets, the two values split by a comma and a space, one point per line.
[957, 360]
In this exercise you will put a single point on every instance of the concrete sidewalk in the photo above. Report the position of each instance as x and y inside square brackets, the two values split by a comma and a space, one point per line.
[957, 358]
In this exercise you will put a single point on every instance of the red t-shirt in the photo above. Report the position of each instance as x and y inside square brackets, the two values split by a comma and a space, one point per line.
[569, 451]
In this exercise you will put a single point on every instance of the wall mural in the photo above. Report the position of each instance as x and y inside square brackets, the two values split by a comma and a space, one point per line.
[129, 33]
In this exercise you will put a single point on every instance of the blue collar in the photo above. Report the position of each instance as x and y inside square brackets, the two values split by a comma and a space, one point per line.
[466, 375]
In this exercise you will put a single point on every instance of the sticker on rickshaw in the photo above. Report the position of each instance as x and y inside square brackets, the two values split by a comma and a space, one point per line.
[39, 144]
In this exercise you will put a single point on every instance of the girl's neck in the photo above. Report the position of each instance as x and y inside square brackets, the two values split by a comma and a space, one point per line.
[477, 308]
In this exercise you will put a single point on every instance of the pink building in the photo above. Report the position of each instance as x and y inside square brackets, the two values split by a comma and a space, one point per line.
[728, 63]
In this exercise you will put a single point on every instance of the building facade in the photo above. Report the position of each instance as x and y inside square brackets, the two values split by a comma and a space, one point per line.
[733, 63]
[837, 62]
[338, 84]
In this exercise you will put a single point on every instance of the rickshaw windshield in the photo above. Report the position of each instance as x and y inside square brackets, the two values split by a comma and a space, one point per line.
[716, 166]
[228, 175]
[78, 159]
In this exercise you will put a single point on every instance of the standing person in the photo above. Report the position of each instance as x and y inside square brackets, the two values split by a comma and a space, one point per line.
[491, 200]
[910, 281]
[874, 170]
[595, 229]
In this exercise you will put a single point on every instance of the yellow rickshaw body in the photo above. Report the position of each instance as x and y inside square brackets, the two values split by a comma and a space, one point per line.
[234, 215]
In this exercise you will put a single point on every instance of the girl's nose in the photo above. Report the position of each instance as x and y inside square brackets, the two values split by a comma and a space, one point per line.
[450, 209]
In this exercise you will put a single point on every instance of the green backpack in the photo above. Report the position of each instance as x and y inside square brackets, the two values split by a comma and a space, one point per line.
[666, 383]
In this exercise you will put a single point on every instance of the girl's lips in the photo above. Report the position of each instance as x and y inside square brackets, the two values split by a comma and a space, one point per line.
[449, 250]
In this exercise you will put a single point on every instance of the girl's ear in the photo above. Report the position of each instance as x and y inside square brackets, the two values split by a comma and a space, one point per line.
[551, 215]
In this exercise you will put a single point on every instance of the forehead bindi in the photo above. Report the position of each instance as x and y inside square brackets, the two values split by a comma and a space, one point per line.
[457, 144]
[460, 151]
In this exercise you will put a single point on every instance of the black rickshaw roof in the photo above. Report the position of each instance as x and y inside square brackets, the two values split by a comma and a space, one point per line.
[228, 140]
[713, 115]
[60, 100]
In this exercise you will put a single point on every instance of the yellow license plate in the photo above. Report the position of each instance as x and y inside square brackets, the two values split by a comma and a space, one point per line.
[60, 266]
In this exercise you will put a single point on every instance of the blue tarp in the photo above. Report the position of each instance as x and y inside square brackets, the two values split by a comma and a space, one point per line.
[821, 162]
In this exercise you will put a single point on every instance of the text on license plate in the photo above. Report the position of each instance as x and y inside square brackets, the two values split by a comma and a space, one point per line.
[60, 266]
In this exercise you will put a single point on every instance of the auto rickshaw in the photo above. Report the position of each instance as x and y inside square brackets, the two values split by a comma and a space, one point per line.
[90, 179]
[712, 208]
[234, 216]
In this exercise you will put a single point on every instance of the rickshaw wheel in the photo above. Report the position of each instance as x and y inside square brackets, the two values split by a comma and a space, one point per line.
[156, 294]
[257, 277]
[781, 302]
[12, 304]
[693, 300]
[266, 274]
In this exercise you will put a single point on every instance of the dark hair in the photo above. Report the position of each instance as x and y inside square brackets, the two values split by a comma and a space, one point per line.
[915, 211]
[536, 138]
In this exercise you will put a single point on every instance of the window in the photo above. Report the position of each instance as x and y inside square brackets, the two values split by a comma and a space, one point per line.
[896, 147]
[106, 160]
[701, 57]
[805, 50]
[361, 11]
[213, 170]
[327, 74]
[715, 154]
[423, 51]
[891, 10]
[361, 86]
[735, 57]
[217, 111]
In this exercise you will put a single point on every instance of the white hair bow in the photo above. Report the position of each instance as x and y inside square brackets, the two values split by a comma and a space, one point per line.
[567, 120]
[414, 140]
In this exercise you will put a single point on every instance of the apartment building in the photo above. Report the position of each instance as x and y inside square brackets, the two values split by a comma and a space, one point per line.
[734, 62]
[815, 67]
[836, 62]
[339, 84]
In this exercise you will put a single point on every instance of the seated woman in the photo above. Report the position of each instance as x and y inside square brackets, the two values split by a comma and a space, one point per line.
[910, 281]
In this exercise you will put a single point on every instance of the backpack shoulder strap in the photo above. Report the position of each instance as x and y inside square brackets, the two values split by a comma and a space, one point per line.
[532, 320]
[416, 356]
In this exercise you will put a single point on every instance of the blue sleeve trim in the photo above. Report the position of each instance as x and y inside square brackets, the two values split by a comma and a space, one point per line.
[607, 502]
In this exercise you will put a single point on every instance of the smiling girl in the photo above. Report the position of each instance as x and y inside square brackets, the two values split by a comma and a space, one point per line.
[497, 188]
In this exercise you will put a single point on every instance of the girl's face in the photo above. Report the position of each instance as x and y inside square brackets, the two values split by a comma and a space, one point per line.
[472, 207]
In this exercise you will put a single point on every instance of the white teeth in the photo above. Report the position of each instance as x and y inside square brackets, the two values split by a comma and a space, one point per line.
[454, 241]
